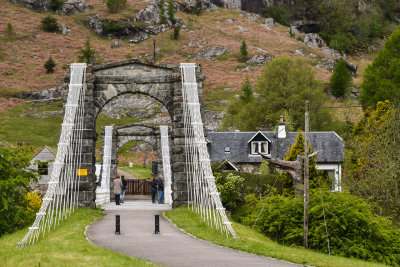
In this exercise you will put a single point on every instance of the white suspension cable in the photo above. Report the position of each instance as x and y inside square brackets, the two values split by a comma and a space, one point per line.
[57, 200]
[166, 164]
[202, 191]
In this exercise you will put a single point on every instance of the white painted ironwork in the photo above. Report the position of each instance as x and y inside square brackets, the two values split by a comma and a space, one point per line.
[103, 192]
[166, 164]
[203, 195]
[62, 194]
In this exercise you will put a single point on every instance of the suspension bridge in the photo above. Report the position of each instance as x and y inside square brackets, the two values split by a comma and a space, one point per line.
[189, 178]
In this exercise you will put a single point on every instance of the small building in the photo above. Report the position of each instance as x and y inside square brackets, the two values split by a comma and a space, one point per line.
[43, 162]
[240, 149]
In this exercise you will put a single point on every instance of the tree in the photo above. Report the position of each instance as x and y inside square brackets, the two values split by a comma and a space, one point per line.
[49, 24]
[14, 185]
[373, 158]
[283, 86]
[49, 65]
[176, 33]
[9, 30]
[243, 51]
[55, 4]
[171, 13]
[89, 54]
[341, 79]
[247, 91]
[382, 78]
[163, 18]
[115, 5]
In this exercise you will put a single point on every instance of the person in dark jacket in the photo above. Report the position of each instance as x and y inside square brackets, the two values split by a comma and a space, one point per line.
[160, 185]
[153, 189]
[124, 185]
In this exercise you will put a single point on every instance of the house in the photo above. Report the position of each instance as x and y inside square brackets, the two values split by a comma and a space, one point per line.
[43, 162]
[239, 150]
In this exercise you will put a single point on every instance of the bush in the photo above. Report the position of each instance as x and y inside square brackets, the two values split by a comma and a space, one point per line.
[55, 4]
[15, 211]
[49, 65]
[163, 18]
[115, 5]
[171, 13]
[230, 188]
[9, 30]
[243, 51]
[279, 14]
[89, 54]
[49, 24]
[353, 230]
[176, 33]
[340, 80]
[112, 27]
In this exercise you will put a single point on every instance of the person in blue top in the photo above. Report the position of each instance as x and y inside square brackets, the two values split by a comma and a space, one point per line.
[153, 189]
[160, 184]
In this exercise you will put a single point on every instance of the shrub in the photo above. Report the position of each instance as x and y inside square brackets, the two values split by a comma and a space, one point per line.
[49, 24]
[55, 4]
[171, 13]
[243, 51]
[279, 14]
[353, 230]
[49, 65]
[176, 33]
[14, 185]
[198, 8]
[340, 80]
[230, 188]
[34, 202]
[115, 5]
[89, 54]
[163, 18]
[112, 27]
[9, 30]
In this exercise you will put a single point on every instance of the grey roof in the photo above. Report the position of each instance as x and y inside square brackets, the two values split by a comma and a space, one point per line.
[330, 144]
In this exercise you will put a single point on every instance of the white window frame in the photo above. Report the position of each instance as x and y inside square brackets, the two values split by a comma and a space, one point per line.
[259, 145]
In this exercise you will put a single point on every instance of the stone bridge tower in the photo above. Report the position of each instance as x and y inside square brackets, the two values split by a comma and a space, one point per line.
[163, 83]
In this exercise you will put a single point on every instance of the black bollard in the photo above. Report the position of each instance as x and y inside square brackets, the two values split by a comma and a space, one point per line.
[157, 224]
[117, 225]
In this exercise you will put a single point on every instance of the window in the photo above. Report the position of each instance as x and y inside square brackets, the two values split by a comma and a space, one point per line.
[43, 168]
[227, 149]
[259, 147]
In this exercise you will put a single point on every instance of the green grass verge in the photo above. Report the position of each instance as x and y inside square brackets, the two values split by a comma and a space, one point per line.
[65, 245]
[253, 242]
[138, 171]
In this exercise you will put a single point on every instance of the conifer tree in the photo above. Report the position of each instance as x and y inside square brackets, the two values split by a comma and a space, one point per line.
[340, 80]
[247, 91]
[49, 65]
[243, 51]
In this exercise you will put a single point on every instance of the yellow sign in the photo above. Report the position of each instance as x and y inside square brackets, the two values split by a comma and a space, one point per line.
[81, 172]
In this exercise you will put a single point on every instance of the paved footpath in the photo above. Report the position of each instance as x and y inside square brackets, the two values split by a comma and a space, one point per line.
[170, 248]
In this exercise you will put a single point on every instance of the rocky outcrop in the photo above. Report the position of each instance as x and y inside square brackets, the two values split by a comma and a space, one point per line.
[67, 8]
[63, 29]
[210, 52]
[231, 4]
[151, 15]
[313, 40]
[55, 93]
[259, 59]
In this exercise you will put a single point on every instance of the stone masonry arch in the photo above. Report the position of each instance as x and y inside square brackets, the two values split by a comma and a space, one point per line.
[160, 81]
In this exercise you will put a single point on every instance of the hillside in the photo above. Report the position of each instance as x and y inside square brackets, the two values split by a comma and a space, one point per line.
[22, 59]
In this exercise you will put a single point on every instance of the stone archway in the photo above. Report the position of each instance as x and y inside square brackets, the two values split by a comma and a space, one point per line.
[160, 81]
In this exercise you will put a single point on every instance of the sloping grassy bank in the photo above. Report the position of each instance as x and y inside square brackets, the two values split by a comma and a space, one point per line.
[65, 245]
[253, 242]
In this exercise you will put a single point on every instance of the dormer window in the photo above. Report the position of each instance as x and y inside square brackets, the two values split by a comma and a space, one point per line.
[227, 149]
[259, 147]
[259, 143]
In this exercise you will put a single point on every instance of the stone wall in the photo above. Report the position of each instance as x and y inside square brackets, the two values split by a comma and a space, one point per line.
[160, 81]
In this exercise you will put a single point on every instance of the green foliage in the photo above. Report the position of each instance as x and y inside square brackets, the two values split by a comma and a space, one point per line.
[279, 14]
[176, 33]
[49, 65]
[171, 13]
[198, 8]
[113, 27]
[230, 189]
[163, 18]
[247, 91]
[9, 30]
[243, 52]
[373, 158]
[15, 211]
[340, 80]
[49, 24]
[353, 229]
[288, 82]
[382, 78]
[89, 54]
[314, 175]
[55, 4]
[115, 5]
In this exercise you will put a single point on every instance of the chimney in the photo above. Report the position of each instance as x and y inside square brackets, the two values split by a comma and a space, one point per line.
[281, 128]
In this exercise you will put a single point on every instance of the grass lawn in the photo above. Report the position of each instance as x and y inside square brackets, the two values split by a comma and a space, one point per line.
[138, 171]
[65, 245]
[253, 242]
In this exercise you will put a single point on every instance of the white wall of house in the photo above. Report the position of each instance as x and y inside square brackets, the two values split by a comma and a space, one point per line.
[45, 155]
[337, 169]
